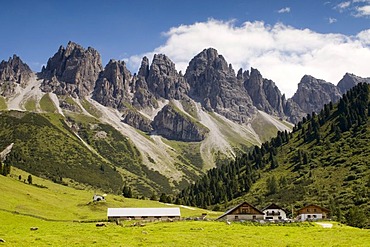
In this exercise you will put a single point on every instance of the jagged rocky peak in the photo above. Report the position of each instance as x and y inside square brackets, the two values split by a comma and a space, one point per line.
[349, 81]
[144, 68]
[72, 70]
[163, 79]
[265, 95]
[313, 93]
[113, 85]
[214, 84]
[142, 97]
[173, 125]
[13, 71]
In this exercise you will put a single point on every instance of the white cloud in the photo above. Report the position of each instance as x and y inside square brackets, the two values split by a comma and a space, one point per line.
[332, 20]
[284, 10]
[343, 5]
[280, 52]
[361, 1]
[364, 37]
[363, 11]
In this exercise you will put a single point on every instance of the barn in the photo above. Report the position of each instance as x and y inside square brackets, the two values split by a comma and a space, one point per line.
[313, 212]
[115, 214]
[243, 211]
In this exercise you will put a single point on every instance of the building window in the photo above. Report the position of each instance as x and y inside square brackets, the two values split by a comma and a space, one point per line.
[236, 217]
[309, 216]
[254, 217]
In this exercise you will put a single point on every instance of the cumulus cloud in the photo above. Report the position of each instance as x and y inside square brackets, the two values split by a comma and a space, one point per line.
[284, 10]
[363, 11]
[280, 52]
[364, 37]
[332, 20]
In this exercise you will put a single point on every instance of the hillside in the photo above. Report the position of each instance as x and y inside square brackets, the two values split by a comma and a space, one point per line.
[44, 199]
[323, 161]
[65, 216]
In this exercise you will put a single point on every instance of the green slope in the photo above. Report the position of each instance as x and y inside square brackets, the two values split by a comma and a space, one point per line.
[324, 161]
[47, 200]
[44, 145]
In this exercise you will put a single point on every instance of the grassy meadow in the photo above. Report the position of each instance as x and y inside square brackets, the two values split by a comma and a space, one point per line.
[60, 213]
[15, 230]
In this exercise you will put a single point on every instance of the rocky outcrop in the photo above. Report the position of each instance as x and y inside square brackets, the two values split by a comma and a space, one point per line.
[173, 125]
[293, 111]
[313, 93]
[71, 71]
[213, 83]
[113, 86]
[164, 81]
[12, 72]
[265, 95]
[137, 120]
[142, 96]
[349, 81]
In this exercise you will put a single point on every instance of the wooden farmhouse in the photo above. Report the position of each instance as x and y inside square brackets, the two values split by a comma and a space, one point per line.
[274, 212]
[243, 211]
[312, 212]
[115, 214]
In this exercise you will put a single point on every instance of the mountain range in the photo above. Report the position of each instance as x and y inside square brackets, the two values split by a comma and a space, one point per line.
[155, 130]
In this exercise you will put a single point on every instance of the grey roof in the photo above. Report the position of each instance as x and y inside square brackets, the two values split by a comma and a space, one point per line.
[139, 212]
[274, 206]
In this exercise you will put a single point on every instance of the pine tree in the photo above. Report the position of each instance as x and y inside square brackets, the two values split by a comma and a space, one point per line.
[29, 179]
[356, 217]
[272, 185]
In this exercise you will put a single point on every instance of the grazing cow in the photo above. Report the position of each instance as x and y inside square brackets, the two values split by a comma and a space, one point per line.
[100, 224]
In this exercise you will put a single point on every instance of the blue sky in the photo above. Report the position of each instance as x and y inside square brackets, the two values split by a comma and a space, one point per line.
[130, 29]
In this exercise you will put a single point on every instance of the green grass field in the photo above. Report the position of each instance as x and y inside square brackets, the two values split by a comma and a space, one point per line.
[59, 212]
[15, 230]
[31, 104]
[47, 104]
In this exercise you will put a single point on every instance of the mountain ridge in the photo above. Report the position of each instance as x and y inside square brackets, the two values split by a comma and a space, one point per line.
[75, 85]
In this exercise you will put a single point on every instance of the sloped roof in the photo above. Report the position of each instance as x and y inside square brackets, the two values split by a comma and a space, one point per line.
[274, 206]
[139, 212]
[314, 205]
[239, 205]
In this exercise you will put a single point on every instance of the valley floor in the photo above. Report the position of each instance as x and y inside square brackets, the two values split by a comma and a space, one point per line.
[15, 230]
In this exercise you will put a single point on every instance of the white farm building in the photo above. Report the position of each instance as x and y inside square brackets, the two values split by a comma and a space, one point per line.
[143, 214]
[274, 212]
